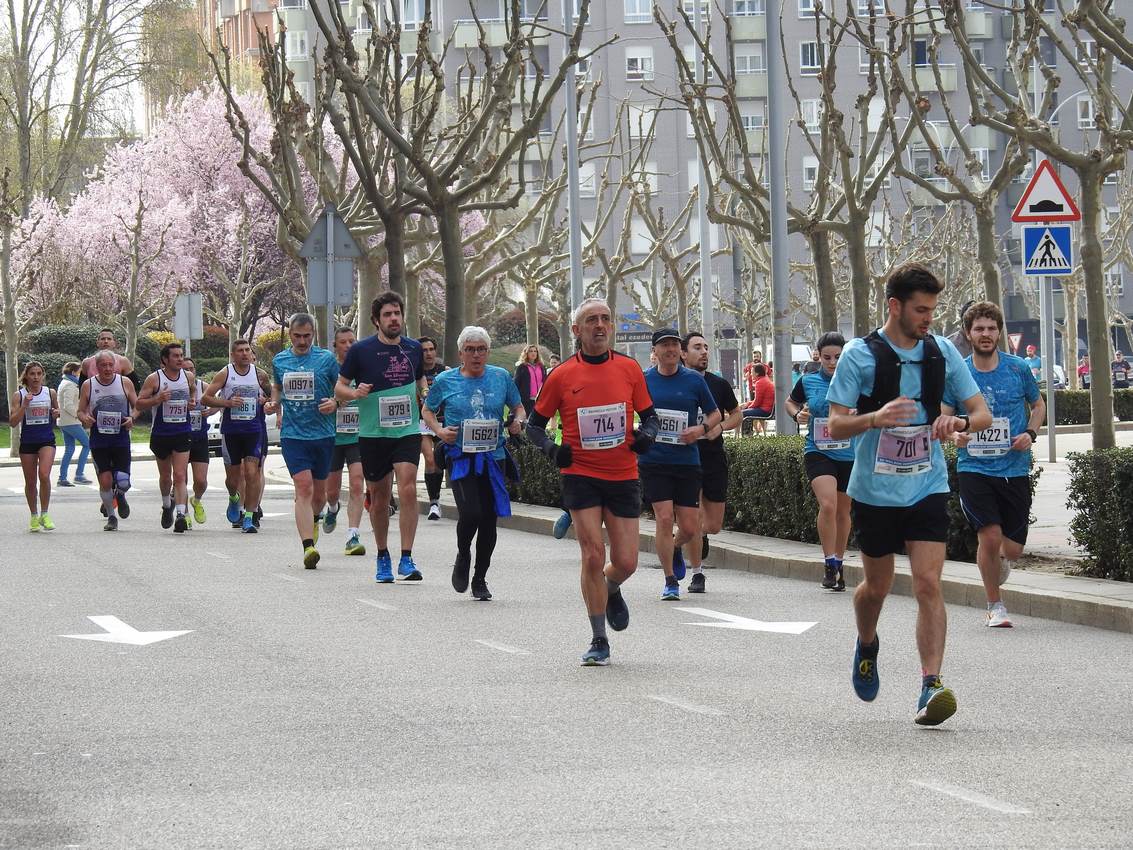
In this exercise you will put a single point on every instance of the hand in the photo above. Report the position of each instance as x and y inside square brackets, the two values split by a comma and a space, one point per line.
[26, 402]
[55, 412]
[362, 390]
[563, 455]
[641, 442]
[803, 416]
[128, 422]
[1022, 443]
[165, 395]
[328, 406]
[900, 411]
[963, 438]
[87, 420]
[271, 406]
[514, 427]
[692, 433]
[946, 425]
[449, 435]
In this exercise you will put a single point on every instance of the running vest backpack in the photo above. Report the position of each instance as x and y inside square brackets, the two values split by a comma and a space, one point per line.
[887, 376]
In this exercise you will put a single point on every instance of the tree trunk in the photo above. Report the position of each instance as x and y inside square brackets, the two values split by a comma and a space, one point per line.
[823, 280]
[448, 228]
[1070, 337]
[395, 257]
[11, 340]
[566, 338]
[1097, 311]
[531, 314]
[412, 305]
[682, 307]
[988, 259]
[860, 280]
[369, 285]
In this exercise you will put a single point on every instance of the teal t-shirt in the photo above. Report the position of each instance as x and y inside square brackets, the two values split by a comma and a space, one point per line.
[811, 389]
[482, 398]
[304, 381]
[1007, 389]
[392, 370]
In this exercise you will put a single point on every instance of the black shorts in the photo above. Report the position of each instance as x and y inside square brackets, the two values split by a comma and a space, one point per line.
[238, 447]
[714, 478]
[621, 498]
[379, 454]
[883, 531]
[676, 483]
[346, 454]
[199, 450]
[1005, 502]
[33, 448]
[163, 445]
[818, 464]
[111, 458]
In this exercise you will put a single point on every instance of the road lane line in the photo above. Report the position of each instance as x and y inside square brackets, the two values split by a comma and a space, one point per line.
[286, 577]
[220, 555]
[973, 797]
[381, 606]
[686, 706]
[502, 647]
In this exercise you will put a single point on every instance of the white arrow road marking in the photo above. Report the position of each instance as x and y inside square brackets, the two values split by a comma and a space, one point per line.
[731, 621]
[973, 797]
[381, 606]
[220, 555]
[502, 647]
[119, 632]
[686, 706]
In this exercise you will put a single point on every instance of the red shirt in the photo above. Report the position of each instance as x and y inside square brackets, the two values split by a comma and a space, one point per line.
[764, 393]
[575, 385]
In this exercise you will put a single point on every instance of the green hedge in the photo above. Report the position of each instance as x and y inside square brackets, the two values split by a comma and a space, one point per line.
[53, 363]
[81, 341]
[209, 364]
[1074, 406]
[1101, 496]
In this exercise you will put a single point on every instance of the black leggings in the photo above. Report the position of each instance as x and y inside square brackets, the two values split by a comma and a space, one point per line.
[476, 505]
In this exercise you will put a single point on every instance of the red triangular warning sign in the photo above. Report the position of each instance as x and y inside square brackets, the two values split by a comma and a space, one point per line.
[1045, 198]
[1015, 339]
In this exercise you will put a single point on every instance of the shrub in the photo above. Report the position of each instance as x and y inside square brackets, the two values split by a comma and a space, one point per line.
[511, 329]
[540, 482]
[161, 338]
[1123, 405]
[267, 345]
[214, 343]
[80, 341]
[1072, 406]
[209, 364]
[1101, 496]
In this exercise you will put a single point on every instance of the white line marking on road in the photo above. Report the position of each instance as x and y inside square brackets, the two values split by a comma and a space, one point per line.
[732, 621]
[286, 577]
[220, 555]
[381, 606]
[973, 797]
[115, 631]
[686, 706]
[502, 647]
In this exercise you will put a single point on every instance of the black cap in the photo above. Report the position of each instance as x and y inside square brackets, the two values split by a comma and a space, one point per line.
[666, 333]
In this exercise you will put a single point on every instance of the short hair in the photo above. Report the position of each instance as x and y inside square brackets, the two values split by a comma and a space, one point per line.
[909, 278]
[72, 367]
[167, 349]
[983, 310]
[687, 338]
[830, 338]
[102, 331]
[581, 308]
[387, 297]
[425, 339]
[343, 329]
[104, 355]
[302, 320]
[470, 333]
[760, 370]
[31, 364]
[236, 343]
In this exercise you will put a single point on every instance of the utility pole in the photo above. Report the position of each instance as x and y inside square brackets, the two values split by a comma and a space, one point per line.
[707, 308]
[780, 278]
[574, 195]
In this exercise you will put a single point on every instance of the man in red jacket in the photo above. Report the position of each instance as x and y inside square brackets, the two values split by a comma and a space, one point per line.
[762, 405]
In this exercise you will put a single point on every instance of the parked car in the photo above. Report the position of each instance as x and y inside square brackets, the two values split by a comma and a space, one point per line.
[271, 420]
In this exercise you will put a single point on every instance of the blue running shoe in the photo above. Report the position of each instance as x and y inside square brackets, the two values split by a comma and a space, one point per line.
[678, 563]
[330, 520]
[864, 677]
[599, 653]
[936, 705]
[672, 591]
[384, 574]
[249, 527]
[232, 514]
[617, 612]
[408, 570]
[562, 525]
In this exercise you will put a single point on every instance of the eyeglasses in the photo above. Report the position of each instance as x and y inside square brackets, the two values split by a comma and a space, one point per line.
[475, 349]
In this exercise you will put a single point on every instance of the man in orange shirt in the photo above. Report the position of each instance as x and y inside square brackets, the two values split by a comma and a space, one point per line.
[596, 393]
[762, 404]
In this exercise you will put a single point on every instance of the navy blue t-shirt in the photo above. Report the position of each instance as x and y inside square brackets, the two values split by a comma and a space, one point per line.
[678, 400]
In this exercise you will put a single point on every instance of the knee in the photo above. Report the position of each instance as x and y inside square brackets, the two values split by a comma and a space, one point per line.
[304, 489]
[593, 556]
[827, 504]
[991, 536]
[926, 588]
[663, 515]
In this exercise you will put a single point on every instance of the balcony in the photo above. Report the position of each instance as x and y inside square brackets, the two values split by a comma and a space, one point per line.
[926, 78]
[749, 27]
[409, 43]
[756, 140]
[751, 85]
[466, 35]
[979, 23]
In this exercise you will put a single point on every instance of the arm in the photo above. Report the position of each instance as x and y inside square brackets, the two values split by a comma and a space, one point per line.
[83, 414]
[947, 424]
[896, 413]
[16, 408]
[560, 456]
[210, 396]
[69, 400]
[150, 397]
[54, 404]
[272, 405]
[518, 420]
[1023, 442]
[797, 405]
[132, 398]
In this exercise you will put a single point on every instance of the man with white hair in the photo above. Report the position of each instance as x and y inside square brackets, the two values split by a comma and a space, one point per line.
[388, 377]
[596, 392]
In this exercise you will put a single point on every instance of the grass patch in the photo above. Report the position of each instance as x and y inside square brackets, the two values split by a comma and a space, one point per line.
[138, 434]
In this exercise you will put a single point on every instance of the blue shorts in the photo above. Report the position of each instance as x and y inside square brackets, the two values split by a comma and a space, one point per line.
[308, 455]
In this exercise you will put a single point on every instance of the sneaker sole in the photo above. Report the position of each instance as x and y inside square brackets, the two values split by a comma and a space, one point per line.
[670, 599]
[939, 708]
[361, 550]
[312, 561]
[1006, 624]
[413, 576]
[595, 662]
[696, 590]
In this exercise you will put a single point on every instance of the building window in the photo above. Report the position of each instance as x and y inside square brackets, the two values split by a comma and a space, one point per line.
[295, 45]
[705, 8]
[641, 117]
[810, 57]
[810, 171]
[1085, 112]
[750, 59]
[806, 8]
[646, 179]
[639, 63]
[877, 7]
[983, 155]
[920, 52]
[811, 113]
[364, 24]
[582, 68]
[710, 118]
[744, 8]
[924, 165]
[1114, 282]
[689, 51]
[587, 180]
[1087, 52]
[638, 11]
[640, 240]
[864, 60]
[412, 14]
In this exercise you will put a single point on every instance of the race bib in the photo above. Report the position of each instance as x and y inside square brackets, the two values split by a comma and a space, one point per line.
[346, 419]
[245, 411]
[196, 419]
[299, 386]
[602, 427]
[108, 422]
[176, 410]
[479, 435]
[394, 411]
[822, 439]
[903, 451]
[673, 422]
[38, 414]
[992, 442]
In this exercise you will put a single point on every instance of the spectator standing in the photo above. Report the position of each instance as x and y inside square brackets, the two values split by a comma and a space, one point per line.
[1084, 371]
[1120, 370]
[814, 364]
[529, 376]
[1034, 363]
[73, 431]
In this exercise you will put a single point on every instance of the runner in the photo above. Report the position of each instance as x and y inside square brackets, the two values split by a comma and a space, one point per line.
[239, 390]
[388, 373]
[713, 460]
[345, 453]
[36, 407]
[302, 393]
[122, 364]
[170, 392]
[105, 405]
[596, 392]
[828, 462]
[899, 484]
[473, 398]
[434, 475]
[198, 446]
[994, 465]
[670, 470]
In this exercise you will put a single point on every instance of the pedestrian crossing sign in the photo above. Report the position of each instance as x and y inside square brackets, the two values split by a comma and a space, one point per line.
[1048, 250]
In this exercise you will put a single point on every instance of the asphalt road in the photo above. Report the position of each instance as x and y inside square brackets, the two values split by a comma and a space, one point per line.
[316, 709]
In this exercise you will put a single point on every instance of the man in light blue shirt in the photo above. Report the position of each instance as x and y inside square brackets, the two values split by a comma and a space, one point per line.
[888, 388]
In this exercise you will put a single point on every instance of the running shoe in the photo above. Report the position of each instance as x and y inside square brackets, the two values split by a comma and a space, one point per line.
[248, 526]
[82, 479]
[310, 558]
[599, 653]
[936, 705]
[408, 570]
[188, 522]
[460, 572]
[480, 591]
[47, 525]
[384, 573]
[392, 507]
[330, 520]
[697, 583]
[865, 679]
[33, 523]
[199, 516]
[617, 612]
[830, 578]
[111, 524]
[997, 616]
[63, 482]
[562, 525]
[1005, 567]
[840, 584]
[434, 511]
[679, 568]
[167, 517]
[122, 505]
[257, 515]
[232, 514]
[672, 591]
[704, 547]
[318, 522]
[354, 546]
[181, 525]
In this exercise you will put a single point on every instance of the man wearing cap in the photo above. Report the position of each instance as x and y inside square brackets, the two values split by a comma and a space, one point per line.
[670, 470]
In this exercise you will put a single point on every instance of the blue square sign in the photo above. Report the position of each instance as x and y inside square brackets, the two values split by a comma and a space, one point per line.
[1048, 250]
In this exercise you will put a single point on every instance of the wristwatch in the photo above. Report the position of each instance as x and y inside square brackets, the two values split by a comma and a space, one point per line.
[1030, 432]
[967, 423]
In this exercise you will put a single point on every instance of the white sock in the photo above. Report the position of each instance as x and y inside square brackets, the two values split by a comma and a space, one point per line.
[332, 508]
[353, 532]
[181, 510]
[167, 501]
[697, 570]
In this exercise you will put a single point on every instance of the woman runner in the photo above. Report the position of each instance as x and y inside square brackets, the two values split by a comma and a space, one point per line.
[36, 408]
